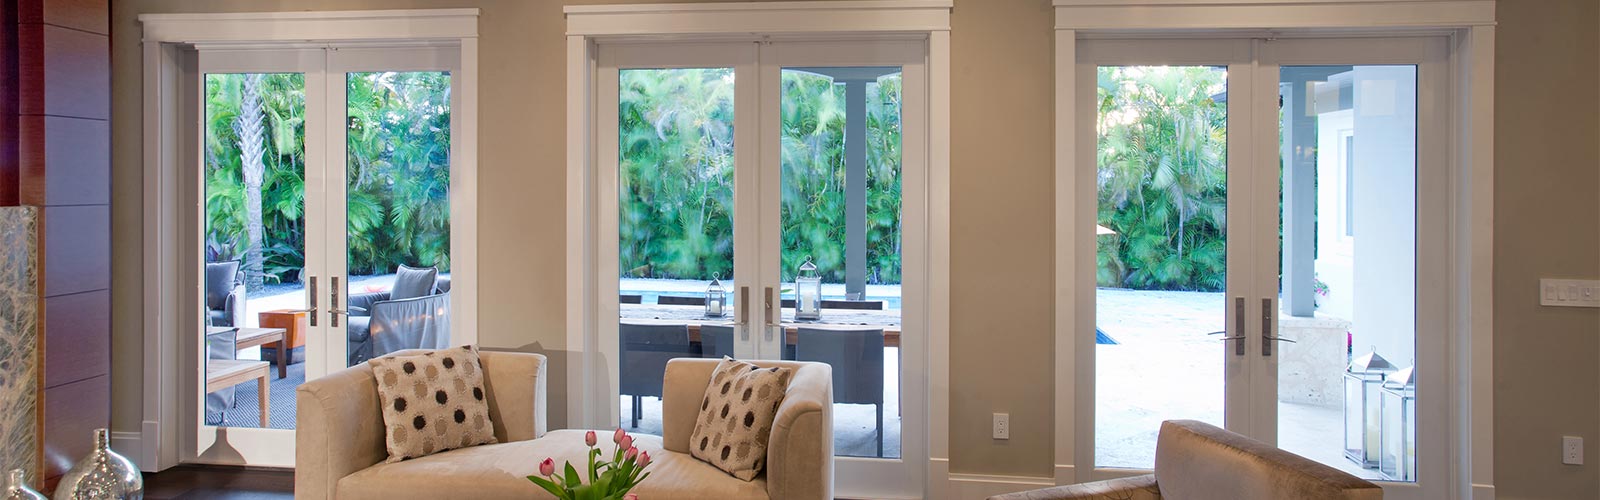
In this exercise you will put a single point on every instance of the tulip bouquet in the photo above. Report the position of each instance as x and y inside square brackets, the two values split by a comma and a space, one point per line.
[607, 480]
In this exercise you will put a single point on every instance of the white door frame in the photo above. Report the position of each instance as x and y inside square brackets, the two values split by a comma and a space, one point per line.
[172, 186]
[1468, 26]
[590, 26]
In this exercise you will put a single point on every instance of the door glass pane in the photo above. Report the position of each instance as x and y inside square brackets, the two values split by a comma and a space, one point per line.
[254, 134]
[840, 213]
[397, 171]
[1161, 261]
[675, 218]
[1348, 283]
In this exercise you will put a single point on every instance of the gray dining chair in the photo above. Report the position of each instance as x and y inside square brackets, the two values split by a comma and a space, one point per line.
[645, 351]
[857, 360]
[716, 341]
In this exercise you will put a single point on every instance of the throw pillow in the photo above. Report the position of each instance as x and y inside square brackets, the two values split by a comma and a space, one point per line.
[219, 282]
[410, 282]
[432, 402]
[736, 417]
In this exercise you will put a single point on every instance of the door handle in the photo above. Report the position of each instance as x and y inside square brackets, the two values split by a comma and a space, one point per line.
[312, 313]
[1266, 328]
[1238, 321]
[333, 307]
[744, 313]
[767, 330]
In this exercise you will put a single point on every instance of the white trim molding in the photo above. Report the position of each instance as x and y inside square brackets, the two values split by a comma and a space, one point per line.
[590, 26]
[1468, 26]
[170, 43]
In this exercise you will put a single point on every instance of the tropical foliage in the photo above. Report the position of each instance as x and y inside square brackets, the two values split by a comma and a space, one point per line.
[398, 154]
[675, 137]
[1162, 180]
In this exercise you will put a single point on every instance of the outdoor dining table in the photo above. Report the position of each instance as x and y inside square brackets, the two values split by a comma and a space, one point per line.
[694, 317]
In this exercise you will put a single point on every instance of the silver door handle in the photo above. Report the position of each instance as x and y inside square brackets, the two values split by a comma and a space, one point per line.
[1266, 328]
[767, 330]
[1238, 320]
[312, 313]
[744, 313]
[333, 298]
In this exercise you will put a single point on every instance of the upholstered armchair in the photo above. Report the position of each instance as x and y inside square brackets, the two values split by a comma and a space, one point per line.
[413, 314]
[1196, 460]
[225, 294]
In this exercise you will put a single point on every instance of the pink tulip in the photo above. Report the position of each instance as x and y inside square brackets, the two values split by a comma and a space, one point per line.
[627, 441]
[616, 437]
[589, 438]
[644, 458]
[547, 467]
[632, 452]
[630, 496]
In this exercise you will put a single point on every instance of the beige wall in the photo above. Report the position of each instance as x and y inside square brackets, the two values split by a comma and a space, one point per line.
[1001, 214]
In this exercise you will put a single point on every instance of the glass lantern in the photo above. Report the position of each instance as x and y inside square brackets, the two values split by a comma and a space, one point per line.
[1362, 381]
[808, 293]
[1398, 460]
[716, 299]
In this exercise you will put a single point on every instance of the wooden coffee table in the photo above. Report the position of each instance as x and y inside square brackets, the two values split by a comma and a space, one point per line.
[225, 373]
[252, 337]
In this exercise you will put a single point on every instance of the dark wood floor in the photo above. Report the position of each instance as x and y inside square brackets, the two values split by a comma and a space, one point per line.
[228, 483]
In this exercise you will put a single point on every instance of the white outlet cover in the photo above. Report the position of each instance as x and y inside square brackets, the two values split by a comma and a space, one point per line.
[1002, 426]
[1572, 450]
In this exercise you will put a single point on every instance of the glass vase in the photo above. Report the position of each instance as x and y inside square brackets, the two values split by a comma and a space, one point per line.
[17, 487]
[103, 475]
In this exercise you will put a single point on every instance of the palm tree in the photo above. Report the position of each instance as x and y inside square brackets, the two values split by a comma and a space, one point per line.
[250, 126]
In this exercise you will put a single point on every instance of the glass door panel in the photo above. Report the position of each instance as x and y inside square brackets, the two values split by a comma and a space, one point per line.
[255, 229]
[1161, 259]
[840, 216]
[397, 212]
[675, 216]
[1348, 297]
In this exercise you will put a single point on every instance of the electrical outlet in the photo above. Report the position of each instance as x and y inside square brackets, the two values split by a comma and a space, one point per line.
[1572, 450]
[1002, 426]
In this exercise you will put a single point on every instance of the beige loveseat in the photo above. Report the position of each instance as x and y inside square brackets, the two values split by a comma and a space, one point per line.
[339, 443]
[1198, 461]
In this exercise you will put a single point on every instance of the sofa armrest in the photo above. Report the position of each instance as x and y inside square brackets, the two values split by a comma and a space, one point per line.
[339, 430]
[800, 450]
[362, 302]
[1126, 488]
[515, 383]
[234, 306]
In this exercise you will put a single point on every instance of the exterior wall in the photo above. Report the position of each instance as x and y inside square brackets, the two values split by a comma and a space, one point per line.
[1383, 294]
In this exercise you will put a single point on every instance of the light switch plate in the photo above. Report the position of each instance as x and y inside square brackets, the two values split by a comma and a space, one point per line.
[1002, 426]
[1569, 293]
[1572, 450]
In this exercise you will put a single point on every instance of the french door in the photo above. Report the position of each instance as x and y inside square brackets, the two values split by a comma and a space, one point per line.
[1265, 212]
[767, 200]
[322, 173]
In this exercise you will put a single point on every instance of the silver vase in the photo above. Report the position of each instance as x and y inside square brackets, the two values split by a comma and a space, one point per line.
[103, 475]
[17, 487]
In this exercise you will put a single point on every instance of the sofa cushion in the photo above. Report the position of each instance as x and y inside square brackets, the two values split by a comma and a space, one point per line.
[411, 282]
[432, 402]
[501, 471]
[736, 415]
[219, 283]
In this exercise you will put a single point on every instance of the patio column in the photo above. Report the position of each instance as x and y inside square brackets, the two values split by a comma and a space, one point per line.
[1299, 153]
[855, 189]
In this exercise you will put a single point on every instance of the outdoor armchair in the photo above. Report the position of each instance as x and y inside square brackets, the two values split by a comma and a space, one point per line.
[225, 294]
[379, 325]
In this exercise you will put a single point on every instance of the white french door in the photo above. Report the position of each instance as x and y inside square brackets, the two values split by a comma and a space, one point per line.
[320, 171]
[1268, 210]
[734, 165]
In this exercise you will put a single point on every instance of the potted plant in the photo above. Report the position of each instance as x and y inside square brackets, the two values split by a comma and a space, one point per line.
[1319, 291]
[607, 480]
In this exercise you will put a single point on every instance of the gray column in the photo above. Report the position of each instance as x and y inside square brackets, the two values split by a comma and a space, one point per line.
[1298, 151]
[855, 189]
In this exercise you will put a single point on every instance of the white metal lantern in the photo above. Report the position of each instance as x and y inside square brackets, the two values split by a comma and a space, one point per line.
[1398, 460]
[716, 299]
[808, 293]
[1362, 381]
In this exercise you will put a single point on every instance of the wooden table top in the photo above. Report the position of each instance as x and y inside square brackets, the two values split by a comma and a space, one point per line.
[223, 373]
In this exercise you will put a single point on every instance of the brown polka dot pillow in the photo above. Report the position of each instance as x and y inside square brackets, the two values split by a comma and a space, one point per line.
[432, 402]
[736, 417]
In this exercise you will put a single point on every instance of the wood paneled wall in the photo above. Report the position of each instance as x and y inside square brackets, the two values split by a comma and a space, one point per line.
[55, 96]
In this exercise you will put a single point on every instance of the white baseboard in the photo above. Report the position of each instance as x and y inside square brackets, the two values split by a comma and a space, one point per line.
[1482, 491]
[958, 486]
[131, 445]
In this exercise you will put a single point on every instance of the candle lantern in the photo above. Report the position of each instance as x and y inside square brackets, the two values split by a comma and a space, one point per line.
[808, 293]
[1398, 460]
[716, 299]
[1362, 383]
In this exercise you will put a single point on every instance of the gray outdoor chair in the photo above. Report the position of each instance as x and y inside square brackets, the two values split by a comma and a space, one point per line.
[225, 294]
[857, 360]
[220, 343]
[413, 314]
[643, 364]
[716, 341]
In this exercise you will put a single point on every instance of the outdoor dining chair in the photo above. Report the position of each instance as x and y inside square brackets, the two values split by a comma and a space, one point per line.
[857, 360]
[645, 351]
[716, 341]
